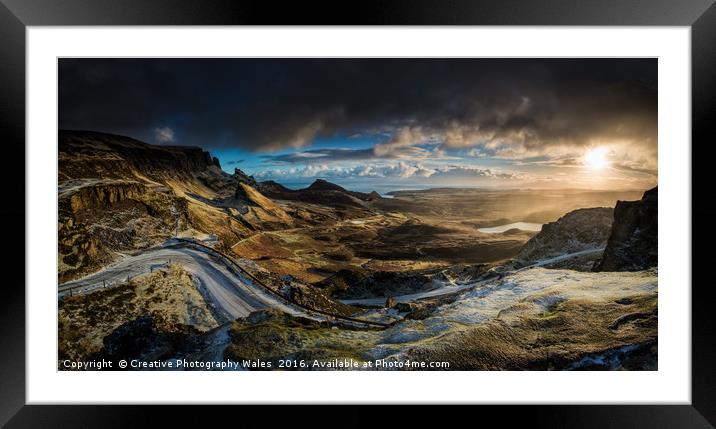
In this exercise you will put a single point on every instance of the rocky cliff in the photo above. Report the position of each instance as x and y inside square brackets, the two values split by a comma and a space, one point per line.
[95, 219]
[633, 241]
[87, 154]
[576, 231]
[117, 194]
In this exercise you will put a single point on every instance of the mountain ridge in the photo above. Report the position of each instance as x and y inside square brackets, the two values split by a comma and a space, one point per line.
[320, 191]
[84, 154]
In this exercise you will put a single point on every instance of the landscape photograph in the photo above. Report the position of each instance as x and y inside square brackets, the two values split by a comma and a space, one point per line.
[307, 214]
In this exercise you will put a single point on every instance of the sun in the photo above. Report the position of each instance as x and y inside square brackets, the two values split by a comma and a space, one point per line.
[596, 158]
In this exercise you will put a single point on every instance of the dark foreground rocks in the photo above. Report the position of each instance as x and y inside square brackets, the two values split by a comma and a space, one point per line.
[147, 338]
[633, 242]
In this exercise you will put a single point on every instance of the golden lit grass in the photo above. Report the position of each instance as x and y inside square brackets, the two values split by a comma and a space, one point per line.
[267, 210]
[271, 336]
[210, 219]
[261, 246]
[553, 338]
[184, 188]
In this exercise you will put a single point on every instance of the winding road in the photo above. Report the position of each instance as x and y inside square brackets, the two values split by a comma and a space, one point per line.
[233, 293]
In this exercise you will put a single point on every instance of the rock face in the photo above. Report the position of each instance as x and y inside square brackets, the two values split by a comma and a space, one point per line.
[95, 219]
[576, 231]
[86, 154]
[117, 194]
[632, 244]
[242, 177]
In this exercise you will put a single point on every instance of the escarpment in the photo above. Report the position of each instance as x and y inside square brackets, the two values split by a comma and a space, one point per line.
[117, 195]
[86, 154]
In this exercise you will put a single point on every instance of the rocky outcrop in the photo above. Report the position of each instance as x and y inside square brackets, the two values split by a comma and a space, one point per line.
[102, 196]
[633, 242]
[576, 231]
[242, 177]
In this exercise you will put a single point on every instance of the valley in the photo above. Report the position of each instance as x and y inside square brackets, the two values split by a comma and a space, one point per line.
[163, 255]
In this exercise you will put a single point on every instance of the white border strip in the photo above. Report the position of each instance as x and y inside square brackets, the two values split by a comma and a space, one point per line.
[670, 384]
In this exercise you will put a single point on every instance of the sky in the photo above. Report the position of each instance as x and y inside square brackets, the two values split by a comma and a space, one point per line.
[385, 124]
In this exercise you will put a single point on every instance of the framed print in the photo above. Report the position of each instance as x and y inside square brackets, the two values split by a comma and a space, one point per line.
[465, 204]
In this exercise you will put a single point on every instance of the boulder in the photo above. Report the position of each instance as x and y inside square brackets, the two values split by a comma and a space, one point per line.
[390, 302]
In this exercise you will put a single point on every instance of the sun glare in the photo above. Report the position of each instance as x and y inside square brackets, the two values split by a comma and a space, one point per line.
[596, 158]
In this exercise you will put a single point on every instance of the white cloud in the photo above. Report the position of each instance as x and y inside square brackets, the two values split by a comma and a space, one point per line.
[396, 170]
[404, 138]
[309, 155]
[164, 135]
[476, 153]
[467, 172]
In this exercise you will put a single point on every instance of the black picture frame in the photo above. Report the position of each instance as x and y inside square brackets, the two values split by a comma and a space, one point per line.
[16, 15]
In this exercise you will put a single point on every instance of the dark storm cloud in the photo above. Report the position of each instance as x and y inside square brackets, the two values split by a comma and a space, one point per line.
[516, 108]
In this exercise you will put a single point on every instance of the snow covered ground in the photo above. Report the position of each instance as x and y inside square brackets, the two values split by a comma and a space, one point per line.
[528, 292]
[536, 290]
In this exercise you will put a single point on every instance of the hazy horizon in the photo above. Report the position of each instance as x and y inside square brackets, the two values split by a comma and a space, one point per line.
[385, 189]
